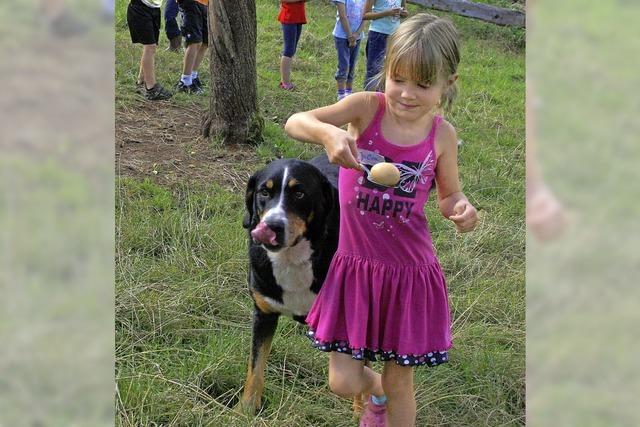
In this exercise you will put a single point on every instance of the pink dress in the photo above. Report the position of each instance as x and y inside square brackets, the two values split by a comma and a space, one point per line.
[385, 294]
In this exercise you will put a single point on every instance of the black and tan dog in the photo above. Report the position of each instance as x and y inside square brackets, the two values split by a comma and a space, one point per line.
[292, 217]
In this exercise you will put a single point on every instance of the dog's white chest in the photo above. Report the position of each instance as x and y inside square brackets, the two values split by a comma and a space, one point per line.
[293, 271]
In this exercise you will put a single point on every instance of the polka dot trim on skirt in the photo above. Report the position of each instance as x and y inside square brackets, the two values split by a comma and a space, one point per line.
[430, 359]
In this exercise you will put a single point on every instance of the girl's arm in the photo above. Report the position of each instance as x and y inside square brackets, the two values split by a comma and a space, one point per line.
[342, 14]
[322, 126]
[369, 15]
[452, 202]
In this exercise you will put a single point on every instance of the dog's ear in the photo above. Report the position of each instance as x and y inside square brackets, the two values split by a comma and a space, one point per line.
[249, 220]
[328, 195]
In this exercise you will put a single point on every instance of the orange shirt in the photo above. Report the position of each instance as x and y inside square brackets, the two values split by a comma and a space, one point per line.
[204, 2]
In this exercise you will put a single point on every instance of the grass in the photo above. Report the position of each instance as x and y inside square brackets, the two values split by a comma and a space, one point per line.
[183, 315]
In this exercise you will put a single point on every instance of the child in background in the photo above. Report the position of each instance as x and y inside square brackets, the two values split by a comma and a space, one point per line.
[385, 16]
[171, 27]
[347, 34]
[195, 29]
[292, 16]
[143, 19]
[385, 294]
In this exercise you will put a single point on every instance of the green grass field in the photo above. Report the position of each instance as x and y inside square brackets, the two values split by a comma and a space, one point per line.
[183, 315]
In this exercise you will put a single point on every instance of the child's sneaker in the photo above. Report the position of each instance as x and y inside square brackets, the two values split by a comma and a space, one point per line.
[181, 87]
[197, 83]
[157, 93]
[374, 415]
[287, 86]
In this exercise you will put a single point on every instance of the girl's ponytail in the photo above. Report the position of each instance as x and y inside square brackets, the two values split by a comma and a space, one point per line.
[448, 97]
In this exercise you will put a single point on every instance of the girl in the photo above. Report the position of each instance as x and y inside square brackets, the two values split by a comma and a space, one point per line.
[385, 294]
[292, 17]
[347, 34]
[385, 18]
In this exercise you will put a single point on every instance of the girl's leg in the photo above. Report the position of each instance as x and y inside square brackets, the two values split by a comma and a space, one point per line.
[148, 65]
[353, 59]
[376, 46]
[349, 377]
[397, 382]
[289, 38]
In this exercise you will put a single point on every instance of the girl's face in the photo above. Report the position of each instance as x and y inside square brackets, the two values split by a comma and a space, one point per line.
[411, 100]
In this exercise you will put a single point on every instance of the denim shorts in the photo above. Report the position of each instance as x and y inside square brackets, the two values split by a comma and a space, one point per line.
[376, 47]
[347, 58]
[291, 35]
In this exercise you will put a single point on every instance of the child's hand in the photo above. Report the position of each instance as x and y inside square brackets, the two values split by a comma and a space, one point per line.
[464, 216]
[342, 149]
[353, 38]
[395, 12]
[404, 12]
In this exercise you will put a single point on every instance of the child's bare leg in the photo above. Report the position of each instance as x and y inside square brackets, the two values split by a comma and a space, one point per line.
[341, 85]
[147, 64]
[190, 55]
[397, 382]
[199, 56]
[285, 69]
[349, 377]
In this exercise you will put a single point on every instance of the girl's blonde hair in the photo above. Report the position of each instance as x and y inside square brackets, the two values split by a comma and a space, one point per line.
[424, 48]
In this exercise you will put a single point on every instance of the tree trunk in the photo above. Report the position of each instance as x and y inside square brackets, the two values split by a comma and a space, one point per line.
[233, 115]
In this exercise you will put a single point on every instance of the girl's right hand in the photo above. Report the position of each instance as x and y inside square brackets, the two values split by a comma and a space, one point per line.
[342, 149]
[395, 12]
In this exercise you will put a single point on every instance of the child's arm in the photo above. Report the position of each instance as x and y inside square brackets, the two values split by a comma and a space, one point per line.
[369, 15]
[452, 202]
[342, 14]
[322, 126]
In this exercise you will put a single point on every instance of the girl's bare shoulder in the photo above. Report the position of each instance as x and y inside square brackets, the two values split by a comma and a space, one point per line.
[446, 138]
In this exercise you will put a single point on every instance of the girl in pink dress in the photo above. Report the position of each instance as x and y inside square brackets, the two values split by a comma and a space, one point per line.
[385, 295]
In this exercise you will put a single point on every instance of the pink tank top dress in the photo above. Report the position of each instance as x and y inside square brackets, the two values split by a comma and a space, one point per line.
[385, 294]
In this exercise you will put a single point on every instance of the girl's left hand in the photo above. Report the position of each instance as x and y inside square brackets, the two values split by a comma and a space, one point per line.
[465, 216]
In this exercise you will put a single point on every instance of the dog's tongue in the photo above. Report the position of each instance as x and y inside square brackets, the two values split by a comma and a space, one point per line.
[263, 234]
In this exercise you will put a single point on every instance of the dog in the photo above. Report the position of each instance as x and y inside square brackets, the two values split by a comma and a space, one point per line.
[292, 220]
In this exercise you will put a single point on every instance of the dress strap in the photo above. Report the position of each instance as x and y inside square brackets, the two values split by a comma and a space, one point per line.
[434, 128]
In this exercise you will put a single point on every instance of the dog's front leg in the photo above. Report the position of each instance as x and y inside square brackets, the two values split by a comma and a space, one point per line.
[264, 326]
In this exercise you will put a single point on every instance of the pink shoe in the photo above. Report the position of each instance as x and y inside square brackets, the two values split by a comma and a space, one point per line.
[374, 415]
[287, 86]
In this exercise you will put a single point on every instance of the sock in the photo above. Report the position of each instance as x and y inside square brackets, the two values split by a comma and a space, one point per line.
[186, 79]
[347, 92]
[341, 94]
[379, 400]
[194, 75]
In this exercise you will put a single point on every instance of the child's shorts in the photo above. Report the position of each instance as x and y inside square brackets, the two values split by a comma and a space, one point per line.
[195, 27]
[144, 22]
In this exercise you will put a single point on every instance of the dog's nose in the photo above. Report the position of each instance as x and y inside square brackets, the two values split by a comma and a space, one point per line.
[276, 225]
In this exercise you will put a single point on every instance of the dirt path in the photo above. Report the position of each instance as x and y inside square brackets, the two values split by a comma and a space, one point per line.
[162, 142]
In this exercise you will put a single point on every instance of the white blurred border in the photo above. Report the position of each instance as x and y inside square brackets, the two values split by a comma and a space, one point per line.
[56, 214]
[582, 276]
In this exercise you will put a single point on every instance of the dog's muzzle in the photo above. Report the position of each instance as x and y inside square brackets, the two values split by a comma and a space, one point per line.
[264, 234]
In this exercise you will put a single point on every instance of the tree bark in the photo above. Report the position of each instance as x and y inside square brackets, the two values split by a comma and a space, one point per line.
[484, 12]
[233, 115]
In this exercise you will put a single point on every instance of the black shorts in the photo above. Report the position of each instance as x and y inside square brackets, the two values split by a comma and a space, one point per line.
[144, 22]
[195, 22]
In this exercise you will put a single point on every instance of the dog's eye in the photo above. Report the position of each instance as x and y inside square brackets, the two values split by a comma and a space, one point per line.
[264, 192]
[299, 194]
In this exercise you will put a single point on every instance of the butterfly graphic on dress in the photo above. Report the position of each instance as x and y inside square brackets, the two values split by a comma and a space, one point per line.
[409, 177]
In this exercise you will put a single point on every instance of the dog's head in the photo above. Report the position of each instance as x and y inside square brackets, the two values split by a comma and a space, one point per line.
[287, 201]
